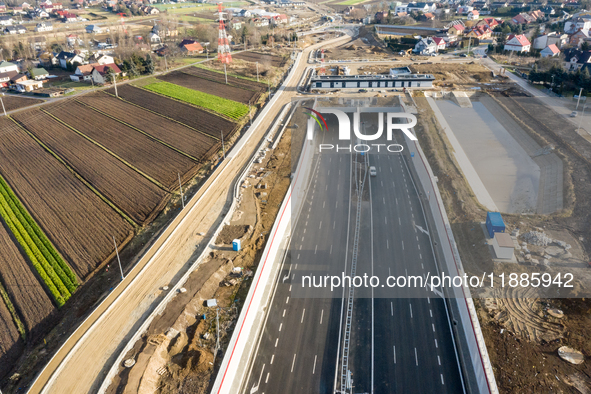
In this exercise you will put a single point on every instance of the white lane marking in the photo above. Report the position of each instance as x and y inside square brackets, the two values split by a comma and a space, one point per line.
[396, 201]
[433, 325]
[323, 204]
[382, 182]
[276, 340]
[386, 220]
[399, 223]
[410, 306]
[284, 312]
[296, 266]
[326, 188]
[394, 354]
[442, 379]
[428, 300]
[438, 360]
[436, 343]
[330, 249]
[392, 308]
[416, 357]
[431, 312]
[302, 239]
[384, 199]
[298, 257]
[419, 246]
[334, 224]
[387, 245]
[272, 358]
[303, 313]
[391, 169]
[320, 228]
[280, 326]
[293, 363]
[422, 266]
[267, 378]
[402, 245]
[287, 300]
[321, 316]
[261, 375]
[420, 256]
[304, 233]
[315, 249]
[336, 204]
[416, 236]
[290, 288]
[314, 368]
[306, 225]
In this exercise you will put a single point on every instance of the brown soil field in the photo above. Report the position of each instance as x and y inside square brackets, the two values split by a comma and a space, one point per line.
[262, 58]
[220, 78]
[210, 87]
[15, 102]
[194, 143]
[25, 290]
[11, 344]
[146, 155]
[191, 116]
[76, 220]
[467, 73]
[129, 191]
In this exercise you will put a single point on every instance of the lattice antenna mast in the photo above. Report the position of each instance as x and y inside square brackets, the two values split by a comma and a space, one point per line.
[224, 55]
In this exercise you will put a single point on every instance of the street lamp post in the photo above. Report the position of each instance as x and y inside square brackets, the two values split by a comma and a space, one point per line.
[581, 120]
[118, 259]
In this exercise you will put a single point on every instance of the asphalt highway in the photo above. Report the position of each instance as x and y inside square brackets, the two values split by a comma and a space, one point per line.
[398, 344]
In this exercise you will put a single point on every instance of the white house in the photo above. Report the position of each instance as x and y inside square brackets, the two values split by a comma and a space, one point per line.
[557, 39]
[440, 42]
[5, 20]
[7, 66]
[43, 26]
[463, 10]
[401, 8]
[518, 43]
[575, 24]
[473, 15]
[28, 85]
[101, 59]
[425, 46]
[550, 51]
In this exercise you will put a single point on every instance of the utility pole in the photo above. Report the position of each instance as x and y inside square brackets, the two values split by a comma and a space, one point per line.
[249, 114]
[257, 71]
[226, 73]
[4, 109]
[118, 259]
[181, 189]
[223, 147]
[579, 100]
[165, 63]
[115, 84]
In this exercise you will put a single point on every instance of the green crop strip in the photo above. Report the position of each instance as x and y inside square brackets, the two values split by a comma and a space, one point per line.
[229, 108]
[17, 321]
[48, 263]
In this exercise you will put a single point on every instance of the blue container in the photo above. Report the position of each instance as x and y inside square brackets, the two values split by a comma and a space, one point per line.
[236, 245]
[494, 223]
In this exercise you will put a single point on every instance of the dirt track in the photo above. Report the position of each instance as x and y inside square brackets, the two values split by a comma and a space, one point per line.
[93, 356]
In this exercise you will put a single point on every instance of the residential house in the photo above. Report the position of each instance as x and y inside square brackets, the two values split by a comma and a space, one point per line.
[547, 39]
[456, 30]
[550, 51]
[577, 38]
[28, 85]
[260, 22]
[480, 32]
[347, 11]
[64, 58]
[236, 24]
[26, 5]
[464, 9]
[43, 26]
[7, 67]
[82, 73]
[95, 72]
[425, 46]
[2, 6]
[5, 20]
[101, 59]
[428, 16]
[38, 74]
[578, 23]
[421, 7]
[473, 15]
[575, 59]
[479, 5]
[517, 4]
[381, 16]
[150, 10]
[40, 14]
[521, 19]
[440, 42]
[72, 39]
[9, 30]
[16, 78]
[518, 43]
[90, 29]
[499, 4]
[164, 50]
[5, 78]
[401, 8]
[18, 10]
[490, 22]
[548, 11]
[280, 19]
[537, 14]
[192, 49]
[68, 17]
[154, 38]
[165, 31]
[20, 29]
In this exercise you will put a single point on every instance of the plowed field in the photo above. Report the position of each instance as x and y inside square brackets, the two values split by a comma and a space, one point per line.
[263, 58]
[218, 89]
[21, 284]
[220, 78]
[16, 102]
[128, 190]
[76, 220]
[194, 143]
[146, 155]
[11, 344]
[184, 113]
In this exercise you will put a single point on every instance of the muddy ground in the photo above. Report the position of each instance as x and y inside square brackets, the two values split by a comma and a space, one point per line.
[522, 338]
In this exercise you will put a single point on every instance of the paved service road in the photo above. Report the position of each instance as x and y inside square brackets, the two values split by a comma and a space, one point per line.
[398, 345]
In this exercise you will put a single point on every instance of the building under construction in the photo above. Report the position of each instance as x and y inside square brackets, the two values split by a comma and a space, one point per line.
[346, 82]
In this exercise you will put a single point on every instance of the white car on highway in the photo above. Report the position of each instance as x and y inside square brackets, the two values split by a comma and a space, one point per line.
[372, 171]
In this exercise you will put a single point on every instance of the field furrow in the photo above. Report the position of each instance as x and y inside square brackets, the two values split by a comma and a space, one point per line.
[74, 218]
[147, 156]
[129, 191]
[262, 58]
[184, 113]
[194, 143]
[23, 287]
[220, 78]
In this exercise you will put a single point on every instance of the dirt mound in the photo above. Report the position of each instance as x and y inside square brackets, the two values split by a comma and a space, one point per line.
[351, 47]
[230, 233]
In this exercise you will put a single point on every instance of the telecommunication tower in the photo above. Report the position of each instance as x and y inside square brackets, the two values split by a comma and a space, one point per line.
[224, 55]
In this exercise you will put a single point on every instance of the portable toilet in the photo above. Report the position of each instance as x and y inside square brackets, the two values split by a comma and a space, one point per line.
[494, 223]
[236, 245]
